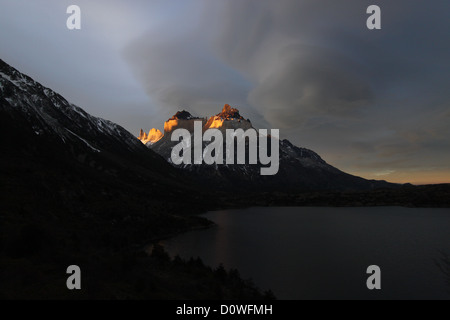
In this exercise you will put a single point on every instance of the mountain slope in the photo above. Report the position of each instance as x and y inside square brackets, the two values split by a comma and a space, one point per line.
[49, 115]
[76, 189]
[55, 154]
[300, 169]
[67, 155]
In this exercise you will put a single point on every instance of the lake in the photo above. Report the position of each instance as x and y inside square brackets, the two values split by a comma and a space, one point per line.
[323, 253]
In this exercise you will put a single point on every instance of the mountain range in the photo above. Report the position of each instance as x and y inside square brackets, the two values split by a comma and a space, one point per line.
[46, 125]
[301, 169]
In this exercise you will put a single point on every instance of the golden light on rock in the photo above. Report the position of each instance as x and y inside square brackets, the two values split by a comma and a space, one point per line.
[153, 136]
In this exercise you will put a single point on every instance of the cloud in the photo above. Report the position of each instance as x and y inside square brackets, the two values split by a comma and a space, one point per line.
[178, 70]
[312, 81]
[179, 73]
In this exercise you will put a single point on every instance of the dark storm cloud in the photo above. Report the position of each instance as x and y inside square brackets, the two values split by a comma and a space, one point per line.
[180, 73]
[311, 81]
[302, 57]
[307, 57]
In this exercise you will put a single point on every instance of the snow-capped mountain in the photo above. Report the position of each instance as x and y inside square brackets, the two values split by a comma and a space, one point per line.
[39, 126]
[48, 113]
[300, 168]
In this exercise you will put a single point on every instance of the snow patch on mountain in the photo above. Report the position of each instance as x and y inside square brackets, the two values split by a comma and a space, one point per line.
[87, 143]
[52, 114]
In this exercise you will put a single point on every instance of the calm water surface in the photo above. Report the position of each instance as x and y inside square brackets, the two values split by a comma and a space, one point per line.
[310, 253]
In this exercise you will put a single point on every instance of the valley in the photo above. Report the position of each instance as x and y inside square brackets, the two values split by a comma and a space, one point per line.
[77, 189]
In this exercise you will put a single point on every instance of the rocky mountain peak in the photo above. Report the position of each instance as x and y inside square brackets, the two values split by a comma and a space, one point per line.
[230, 113]
[182, 119]
[142, 135]
[182, 115]
[153, 136]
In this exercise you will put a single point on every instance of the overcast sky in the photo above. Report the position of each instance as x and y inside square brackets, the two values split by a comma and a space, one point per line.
[373, 103]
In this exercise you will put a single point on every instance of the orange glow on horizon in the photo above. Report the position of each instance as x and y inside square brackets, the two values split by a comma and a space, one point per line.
[413, 177]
